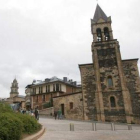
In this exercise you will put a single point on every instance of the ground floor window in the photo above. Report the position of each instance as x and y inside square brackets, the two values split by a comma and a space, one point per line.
[43, 97]
[71, 105]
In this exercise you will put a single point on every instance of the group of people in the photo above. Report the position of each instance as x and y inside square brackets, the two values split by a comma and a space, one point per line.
[57, 114]
[34, 113]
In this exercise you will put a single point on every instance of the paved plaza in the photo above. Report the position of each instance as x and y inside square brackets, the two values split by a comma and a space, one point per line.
[60, 130]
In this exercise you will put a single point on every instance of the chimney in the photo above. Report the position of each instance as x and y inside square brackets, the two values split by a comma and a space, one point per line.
[65, 79]
[75, 83]
[47, 80]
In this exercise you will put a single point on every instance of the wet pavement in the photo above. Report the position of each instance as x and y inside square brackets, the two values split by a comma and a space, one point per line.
[60, 130]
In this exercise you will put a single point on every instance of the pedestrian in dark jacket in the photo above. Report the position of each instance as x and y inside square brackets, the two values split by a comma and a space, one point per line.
[36, 114]
[55, 114]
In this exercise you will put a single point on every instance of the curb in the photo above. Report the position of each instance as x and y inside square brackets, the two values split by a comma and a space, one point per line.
[36, 136]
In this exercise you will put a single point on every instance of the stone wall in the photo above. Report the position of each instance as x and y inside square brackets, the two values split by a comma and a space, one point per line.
[108, 66]
[117, 113]
[76, 112]
[107, 61]
[133, 84]
[47, 111]
[88, 90]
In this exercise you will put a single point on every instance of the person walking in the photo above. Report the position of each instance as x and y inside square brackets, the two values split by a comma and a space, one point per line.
[36, 113]
[55, 114]
[59, 114]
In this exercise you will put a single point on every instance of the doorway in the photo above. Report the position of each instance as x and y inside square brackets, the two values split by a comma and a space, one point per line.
[62, 109]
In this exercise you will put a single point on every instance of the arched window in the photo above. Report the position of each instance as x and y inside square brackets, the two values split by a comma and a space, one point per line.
[106, 34]
[112, 102]
[99, 34]
[110, 81]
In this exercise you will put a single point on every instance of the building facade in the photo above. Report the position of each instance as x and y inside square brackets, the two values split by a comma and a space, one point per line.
[42, 92]
[110, 85]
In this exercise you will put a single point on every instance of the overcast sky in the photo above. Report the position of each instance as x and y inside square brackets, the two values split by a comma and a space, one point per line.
[44, 38]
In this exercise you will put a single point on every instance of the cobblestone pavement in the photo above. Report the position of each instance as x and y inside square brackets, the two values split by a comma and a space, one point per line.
[60, 130]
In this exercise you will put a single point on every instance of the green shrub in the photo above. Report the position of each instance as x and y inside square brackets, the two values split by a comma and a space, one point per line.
[47, 105]
[5, 108]
[13, 125]
[10, 127]
[30, 124]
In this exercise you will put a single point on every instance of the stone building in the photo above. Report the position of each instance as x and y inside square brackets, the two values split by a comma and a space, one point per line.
[70, 104]
[41, 93]
[110, 85]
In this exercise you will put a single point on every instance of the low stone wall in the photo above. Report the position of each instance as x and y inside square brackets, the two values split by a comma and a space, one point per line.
[47, 111]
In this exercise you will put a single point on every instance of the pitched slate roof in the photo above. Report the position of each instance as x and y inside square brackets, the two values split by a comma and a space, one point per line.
[51, 80]
[99, 13]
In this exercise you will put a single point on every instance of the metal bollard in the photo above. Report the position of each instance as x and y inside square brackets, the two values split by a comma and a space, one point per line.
[71, 127]
[112, 127]
[129, 127]
[94, 126]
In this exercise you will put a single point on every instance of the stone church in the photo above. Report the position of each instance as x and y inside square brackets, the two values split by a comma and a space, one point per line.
[110, 85]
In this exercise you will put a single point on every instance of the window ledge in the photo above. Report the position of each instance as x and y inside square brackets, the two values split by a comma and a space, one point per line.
[111, 88]
[113, 107]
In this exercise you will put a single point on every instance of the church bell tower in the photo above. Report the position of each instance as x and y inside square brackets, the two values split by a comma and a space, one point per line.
[14, 89]
[101, 26]
[111, 91]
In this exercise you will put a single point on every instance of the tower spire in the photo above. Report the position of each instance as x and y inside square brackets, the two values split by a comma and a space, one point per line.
[102, 32]
[99, 13]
